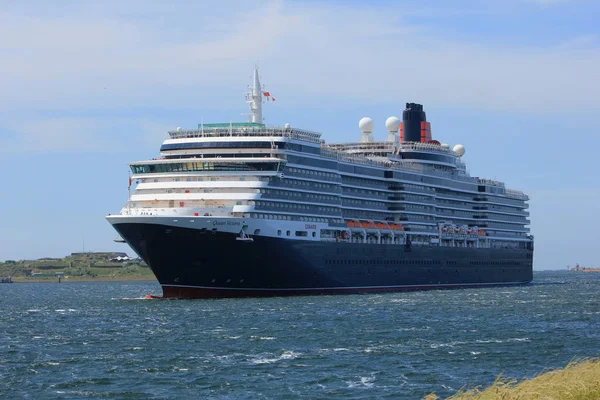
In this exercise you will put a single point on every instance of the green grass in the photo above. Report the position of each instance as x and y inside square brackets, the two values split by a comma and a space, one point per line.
[80, 267]
[579, 380]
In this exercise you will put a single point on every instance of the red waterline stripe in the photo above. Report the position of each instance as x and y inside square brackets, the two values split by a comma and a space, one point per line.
[191, 292]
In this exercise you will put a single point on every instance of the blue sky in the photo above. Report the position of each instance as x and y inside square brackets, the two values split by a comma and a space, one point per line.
[87, 87]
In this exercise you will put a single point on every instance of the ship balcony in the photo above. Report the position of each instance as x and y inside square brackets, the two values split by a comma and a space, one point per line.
[396, 187]
[305, 199]
[402, 188]
[397, 198]
[411, 200]
[396, 208]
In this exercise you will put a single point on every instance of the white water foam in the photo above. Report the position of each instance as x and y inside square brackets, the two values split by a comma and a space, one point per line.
[286, 355]
[365, 382]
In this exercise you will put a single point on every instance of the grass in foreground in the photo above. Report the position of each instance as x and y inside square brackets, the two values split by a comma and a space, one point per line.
[580, 380]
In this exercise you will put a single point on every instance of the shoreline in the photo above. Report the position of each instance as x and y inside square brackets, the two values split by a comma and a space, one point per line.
[85, 279]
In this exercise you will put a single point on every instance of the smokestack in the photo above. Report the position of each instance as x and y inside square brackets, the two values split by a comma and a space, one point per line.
[415, 127]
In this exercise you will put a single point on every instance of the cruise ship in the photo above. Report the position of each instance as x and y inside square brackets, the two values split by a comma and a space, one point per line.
[246, 209]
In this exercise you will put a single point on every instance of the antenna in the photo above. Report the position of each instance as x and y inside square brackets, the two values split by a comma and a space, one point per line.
[255, 97]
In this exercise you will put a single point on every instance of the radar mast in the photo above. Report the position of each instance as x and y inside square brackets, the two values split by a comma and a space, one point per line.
[254, 99]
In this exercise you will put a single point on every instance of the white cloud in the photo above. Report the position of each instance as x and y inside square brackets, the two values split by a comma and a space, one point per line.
[194, 56]
[88, 61]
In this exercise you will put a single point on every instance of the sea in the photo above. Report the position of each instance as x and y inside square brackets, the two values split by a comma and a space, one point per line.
[106, 340]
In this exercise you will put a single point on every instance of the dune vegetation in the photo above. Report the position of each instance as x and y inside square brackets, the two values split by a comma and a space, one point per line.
[579, 380]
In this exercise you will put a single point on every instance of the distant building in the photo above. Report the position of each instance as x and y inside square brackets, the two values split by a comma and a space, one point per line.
[121, 258]
[100, 254]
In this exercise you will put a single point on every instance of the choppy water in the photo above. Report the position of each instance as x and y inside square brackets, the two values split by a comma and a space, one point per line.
[78, 340]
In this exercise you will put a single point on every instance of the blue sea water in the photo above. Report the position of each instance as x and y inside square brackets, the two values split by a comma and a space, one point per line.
[104, 340]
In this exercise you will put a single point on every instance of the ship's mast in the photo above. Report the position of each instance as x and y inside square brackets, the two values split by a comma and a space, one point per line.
[255, 100]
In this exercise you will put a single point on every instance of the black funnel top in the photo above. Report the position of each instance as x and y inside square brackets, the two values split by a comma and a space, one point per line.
[412, 118]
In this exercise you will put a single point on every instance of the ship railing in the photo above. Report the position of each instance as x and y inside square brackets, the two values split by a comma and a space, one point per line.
[425, 146]
[385, 145]
[362, 160]
[408, 166]
[364, 146]
[251, 131]
[516, 194]
[490, 182]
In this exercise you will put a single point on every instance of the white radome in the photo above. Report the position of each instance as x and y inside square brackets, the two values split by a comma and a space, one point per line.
[178, 129]
[392, 124]
[459, 149]
[287, 126]
[365, 125]
[445, 146]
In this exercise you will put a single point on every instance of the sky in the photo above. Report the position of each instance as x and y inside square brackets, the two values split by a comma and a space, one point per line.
[86, 87]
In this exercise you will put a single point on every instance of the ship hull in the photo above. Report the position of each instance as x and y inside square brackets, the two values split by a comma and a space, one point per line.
[200, 263]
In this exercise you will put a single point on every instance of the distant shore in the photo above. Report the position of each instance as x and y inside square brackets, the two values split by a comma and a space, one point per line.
[78, 267]
[21, 279]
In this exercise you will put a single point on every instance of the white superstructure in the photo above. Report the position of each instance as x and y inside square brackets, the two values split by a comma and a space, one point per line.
[287, 182]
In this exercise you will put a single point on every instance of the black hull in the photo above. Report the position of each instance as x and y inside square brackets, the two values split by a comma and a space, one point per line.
[190, 263]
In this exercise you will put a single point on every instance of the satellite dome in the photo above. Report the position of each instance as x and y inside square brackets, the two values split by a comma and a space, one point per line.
[365, 125]
[445, 146]
[392, 124]
[459, 149]
[287, 126]
[178, 129]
